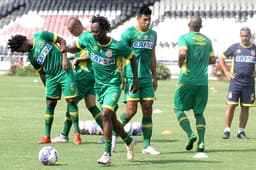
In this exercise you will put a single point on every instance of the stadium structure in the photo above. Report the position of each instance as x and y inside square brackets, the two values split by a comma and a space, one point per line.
[222, 20]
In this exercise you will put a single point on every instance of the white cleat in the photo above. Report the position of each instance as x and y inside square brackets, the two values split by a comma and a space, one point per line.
[60, 139]
[150, 150]
[130, 152]
[105, 159]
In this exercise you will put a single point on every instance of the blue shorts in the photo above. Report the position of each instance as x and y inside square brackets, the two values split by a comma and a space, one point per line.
[246, 94]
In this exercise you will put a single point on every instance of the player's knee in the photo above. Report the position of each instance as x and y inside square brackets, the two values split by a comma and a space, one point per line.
[106, 115]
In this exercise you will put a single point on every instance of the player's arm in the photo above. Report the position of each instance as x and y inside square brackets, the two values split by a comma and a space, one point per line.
[182, 56]
[223, 65]
[153, 68]
[135, 85]
[63, 46]
[212, 59]
[73, 49]
[82, 58]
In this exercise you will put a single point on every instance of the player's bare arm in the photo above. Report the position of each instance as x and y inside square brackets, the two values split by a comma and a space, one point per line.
[182, 56]
[153, 69]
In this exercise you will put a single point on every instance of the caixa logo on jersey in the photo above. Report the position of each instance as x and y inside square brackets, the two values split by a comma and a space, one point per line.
[143, 44]
[100, 60]
[47, 48]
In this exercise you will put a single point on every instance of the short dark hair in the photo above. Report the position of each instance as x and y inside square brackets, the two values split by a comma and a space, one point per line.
[247, 29]
[144, 10]
[16, 41]
[102, 21]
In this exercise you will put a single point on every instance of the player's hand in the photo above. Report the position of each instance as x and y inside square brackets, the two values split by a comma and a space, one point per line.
[155, 83]
[230, 75]
[135, 86]
[65, 64]
[74, 63]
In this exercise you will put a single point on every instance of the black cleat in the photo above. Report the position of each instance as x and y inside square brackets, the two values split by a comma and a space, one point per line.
[191, 141]
[242, 135]
[226, 135]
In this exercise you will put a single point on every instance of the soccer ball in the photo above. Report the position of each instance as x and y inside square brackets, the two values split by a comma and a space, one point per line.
[136, 128]
[48, 155]
[128, 128]
[83, 127]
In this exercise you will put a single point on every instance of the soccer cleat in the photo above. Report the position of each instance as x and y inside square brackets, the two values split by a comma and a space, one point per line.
[191, 141]
[105, 159]
[44, 139]
[200, 147]
[150, 150]
[130, 152]
[60, 139]
[77, 139]
[226, 135]
[242, 135]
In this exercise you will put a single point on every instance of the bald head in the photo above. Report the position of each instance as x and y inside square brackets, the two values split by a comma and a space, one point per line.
[195, 23]
[75, 26]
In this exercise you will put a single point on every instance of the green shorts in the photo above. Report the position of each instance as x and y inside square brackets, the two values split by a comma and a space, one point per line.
[64, 83]
[108, 96]
[85, 83]
[188, 97]
[145, 91]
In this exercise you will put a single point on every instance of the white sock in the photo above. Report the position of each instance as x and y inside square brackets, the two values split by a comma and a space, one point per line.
[227, 129]
[240, 130]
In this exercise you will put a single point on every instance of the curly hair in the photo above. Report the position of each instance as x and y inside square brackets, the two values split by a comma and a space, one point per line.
[103, 22]
[16, 41]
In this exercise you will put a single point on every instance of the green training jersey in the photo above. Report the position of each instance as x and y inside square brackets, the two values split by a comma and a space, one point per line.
[45, 54]
[194, 70]
[85, 65]
[142, 44]
[106, 59]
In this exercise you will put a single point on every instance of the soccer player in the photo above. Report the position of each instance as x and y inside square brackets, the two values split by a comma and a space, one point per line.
[195, 53]
[241, 81]
[85, 81]
[106, 54]
[47, 56]
[142, 40]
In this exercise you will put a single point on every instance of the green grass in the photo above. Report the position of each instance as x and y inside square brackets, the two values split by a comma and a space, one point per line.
[21, 116]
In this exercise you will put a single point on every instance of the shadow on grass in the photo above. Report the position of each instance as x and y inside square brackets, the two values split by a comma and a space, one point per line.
[168, 161]
[230, 150]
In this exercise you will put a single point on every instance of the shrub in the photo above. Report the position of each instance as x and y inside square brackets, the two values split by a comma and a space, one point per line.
[163, 72]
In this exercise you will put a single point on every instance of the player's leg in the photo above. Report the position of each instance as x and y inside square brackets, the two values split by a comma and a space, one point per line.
[228, 117]
[70, 92]
[200, 102]
[243, 118]
[247, 100]
[130, 99]
[232, 101]
[48, 117]
[73, 112]
[147, 97]
[53, 93]
[90, 102]
[147, 125]
[105, 159]
[119, 129]
[183, 101]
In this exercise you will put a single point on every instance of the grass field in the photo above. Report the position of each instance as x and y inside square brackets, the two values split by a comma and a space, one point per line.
[21, 115]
